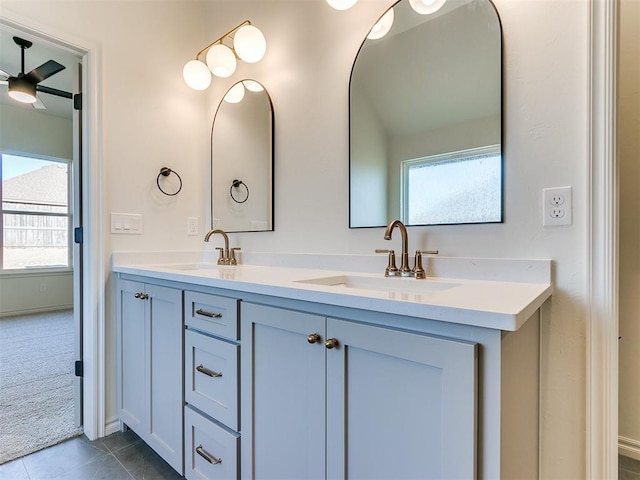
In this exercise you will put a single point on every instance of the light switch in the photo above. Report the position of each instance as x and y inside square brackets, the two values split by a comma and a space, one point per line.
[128, 223]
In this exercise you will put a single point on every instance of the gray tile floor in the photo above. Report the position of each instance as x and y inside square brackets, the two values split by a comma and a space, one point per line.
[121, 456]
[628, 468]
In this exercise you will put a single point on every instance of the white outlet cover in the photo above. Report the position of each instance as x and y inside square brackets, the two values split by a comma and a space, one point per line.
[557, 206]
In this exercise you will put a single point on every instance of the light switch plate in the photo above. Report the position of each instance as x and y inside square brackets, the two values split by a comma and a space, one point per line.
[126, 223]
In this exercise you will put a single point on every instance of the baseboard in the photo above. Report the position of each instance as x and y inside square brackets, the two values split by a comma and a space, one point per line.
[112, 427]
[32, 311]
[629, 447]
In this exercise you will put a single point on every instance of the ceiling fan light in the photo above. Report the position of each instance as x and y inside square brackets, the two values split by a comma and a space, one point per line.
[22, 90]
[196, 75]
[342, 4]
[250, 44]
[382, 27]
[426, 7]
[221, 61]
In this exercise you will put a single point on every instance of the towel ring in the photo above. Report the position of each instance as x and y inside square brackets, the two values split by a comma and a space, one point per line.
[165, 172]
[236, 184]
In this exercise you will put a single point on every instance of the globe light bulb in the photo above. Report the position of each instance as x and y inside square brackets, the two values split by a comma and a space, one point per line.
[426, 7]
[253, 86]
[221, 61]
[382, 27]
[249, 44]
[196, 75]
[235, 93]
[342, 4]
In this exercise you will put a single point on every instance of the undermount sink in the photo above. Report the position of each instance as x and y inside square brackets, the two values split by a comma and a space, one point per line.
[192, 266]
[384, 284]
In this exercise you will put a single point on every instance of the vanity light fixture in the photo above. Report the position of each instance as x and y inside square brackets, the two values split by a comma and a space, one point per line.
[342, 4]
[426, 7]
[382, 27]
[247, 44]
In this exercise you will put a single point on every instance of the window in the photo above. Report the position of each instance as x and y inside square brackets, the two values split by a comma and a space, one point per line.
[36, 219]
[459, 187]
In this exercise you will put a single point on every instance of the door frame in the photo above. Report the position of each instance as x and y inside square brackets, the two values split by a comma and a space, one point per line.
[94, 279]
[602, 261]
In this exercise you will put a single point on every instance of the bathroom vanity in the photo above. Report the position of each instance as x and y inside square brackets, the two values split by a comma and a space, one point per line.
[281, 372]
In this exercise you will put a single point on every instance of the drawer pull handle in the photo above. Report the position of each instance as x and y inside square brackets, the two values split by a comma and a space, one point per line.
[207, 456]
[208, 314]
[206, 371]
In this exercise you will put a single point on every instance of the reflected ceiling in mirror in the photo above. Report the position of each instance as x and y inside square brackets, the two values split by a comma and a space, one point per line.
[242, 160]
[425, 106]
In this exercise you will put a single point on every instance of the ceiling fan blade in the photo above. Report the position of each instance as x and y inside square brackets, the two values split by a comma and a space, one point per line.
[53, 91]
[44, 71]
[39, 104]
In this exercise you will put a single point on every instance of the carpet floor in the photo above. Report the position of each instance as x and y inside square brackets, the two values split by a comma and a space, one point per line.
[36, 383]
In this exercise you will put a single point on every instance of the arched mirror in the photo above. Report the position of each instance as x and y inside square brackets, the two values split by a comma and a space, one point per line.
[425, 106]
[242, 160]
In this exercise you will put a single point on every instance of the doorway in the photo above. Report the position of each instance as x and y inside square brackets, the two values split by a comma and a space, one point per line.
[40, 265]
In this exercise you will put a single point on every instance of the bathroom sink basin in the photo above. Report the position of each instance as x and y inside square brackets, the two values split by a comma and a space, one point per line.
[383, 284]
[191, 266]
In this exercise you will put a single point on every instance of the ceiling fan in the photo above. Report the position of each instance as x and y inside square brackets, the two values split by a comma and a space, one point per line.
[23, 86]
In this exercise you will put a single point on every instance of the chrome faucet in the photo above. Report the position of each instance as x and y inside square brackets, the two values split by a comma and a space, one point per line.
[227, 256]
[404, 271]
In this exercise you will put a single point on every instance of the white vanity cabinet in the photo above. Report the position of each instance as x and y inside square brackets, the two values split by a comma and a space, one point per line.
[331, 398]
[149, 357]
[212, 351]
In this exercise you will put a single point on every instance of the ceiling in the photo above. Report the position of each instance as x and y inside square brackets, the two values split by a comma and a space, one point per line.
[35, 56]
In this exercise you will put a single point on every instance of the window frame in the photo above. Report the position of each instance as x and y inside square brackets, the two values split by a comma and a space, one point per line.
[69, 215]
[442, 158]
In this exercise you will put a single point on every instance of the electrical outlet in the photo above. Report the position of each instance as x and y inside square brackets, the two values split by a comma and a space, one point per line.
[556, 206]
[192, 225]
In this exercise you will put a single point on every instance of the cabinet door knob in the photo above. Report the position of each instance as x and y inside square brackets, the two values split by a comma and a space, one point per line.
[332, 343]
[207, 456]
[313, 338]
[141, 296]
[137, 295]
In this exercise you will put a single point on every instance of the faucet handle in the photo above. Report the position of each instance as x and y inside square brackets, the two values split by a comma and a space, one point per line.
[418, 270]
[391, 269]
[232, 255]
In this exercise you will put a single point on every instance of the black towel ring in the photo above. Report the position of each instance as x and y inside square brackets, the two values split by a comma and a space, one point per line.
[236, 184]
[165, 172]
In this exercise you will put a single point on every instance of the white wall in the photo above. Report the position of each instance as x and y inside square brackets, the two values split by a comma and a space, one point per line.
[150, 118]
[25, 130]
[629, 158]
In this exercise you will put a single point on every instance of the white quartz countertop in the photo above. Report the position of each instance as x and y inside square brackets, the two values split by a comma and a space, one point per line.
[502, 305]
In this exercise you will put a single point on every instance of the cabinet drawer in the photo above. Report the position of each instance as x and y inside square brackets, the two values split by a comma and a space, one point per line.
[212, 314]
[210, 450]
[211, 377]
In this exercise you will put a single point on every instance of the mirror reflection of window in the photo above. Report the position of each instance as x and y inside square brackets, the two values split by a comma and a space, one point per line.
[431, 86]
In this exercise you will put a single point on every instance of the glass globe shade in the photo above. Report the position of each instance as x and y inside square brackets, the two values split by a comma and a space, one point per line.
[253, 86]
[425, 7]
[221, 61]
[235, 93]
[342, 4]
[383, 26]
[196, 75]
[250, 44]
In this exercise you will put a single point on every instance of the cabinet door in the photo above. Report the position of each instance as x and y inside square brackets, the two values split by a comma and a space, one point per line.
[132, 351]
[399, 405]
[283, 394]
[164, 379]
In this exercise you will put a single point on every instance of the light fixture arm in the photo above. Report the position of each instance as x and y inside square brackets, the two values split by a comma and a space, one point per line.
[220, 40]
